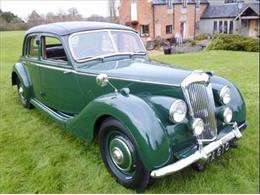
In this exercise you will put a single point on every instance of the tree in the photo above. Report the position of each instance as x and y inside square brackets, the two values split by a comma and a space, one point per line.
[96, 18]
[73, 12]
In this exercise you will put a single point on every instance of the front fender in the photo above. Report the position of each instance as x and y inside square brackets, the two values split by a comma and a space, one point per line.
[137, 116]
[19, 71]
[237, 103]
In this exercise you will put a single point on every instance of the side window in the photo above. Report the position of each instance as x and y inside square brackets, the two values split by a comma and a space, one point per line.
[52, 49]
[32, 47]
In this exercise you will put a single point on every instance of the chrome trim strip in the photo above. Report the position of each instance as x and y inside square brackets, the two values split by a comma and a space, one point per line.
[95, 75]
[203, 153]
[55, 68]
[133, 80]
[56, 115]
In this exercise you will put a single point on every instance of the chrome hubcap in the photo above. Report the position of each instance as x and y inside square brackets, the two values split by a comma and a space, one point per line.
[120, 154]
[20, 90]
[117, 156]
[20, 93]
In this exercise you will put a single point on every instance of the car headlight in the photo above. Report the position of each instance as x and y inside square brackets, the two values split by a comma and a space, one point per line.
[198, 126]
[178, 111]
[225, 94]
[227, 115]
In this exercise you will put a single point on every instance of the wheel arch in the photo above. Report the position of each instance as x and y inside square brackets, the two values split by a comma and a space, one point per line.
[19, 72]
[14, 78]
[99, 122]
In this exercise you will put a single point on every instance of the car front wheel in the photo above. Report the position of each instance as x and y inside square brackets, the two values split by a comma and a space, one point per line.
[120, 156]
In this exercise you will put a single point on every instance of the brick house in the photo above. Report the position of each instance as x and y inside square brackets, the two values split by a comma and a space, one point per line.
[185, 18]
[164, 18]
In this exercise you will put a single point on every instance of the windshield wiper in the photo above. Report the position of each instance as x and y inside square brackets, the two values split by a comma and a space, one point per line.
[87, 59]
[140, 52]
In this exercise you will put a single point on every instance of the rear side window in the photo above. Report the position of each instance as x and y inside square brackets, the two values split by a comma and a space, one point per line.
[32, 47]
[52, 49]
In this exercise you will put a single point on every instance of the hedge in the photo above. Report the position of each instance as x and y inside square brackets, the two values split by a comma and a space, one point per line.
[234, 43]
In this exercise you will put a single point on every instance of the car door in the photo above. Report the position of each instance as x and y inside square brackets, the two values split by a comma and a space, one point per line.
[60, 89]
[30, 59]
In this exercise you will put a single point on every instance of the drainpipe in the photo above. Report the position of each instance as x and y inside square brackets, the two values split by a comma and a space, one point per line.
[173, 22]
[153, 22]
[194, 33]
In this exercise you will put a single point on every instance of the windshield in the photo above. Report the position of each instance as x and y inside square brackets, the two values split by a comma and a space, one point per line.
[87, 45]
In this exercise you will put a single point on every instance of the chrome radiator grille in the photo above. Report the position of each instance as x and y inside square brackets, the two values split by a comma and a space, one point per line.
[200, 100]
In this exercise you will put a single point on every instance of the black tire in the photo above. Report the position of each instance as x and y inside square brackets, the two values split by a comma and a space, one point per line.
[111, 135]
[23, 100]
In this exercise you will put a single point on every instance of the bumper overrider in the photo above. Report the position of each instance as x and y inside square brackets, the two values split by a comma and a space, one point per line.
[202, 153]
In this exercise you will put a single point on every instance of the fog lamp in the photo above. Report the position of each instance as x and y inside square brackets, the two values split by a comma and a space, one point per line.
[227, 114]
[198, 126]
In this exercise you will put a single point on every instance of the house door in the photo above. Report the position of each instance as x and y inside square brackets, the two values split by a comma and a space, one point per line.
[158, 30]
[182, 29]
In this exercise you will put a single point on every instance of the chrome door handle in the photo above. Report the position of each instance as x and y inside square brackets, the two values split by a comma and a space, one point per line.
[68, 71]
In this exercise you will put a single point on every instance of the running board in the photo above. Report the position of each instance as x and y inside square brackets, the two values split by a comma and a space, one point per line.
[60, 118]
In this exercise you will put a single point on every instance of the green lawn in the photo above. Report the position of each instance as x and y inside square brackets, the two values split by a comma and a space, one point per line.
[39, 156]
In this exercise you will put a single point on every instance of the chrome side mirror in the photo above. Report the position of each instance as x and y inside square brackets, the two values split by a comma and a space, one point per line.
[102, 80]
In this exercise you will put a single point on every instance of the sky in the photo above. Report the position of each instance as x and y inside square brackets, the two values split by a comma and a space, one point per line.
[85, 7]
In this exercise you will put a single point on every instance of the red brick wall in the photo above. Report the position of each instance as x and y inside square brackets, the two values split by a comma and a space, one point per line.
[144, 15]
[187, 16]
[162, 18]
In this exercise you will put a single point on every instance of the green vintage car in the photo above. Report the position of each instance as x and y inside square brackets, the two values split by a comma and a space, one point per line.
[150, 119]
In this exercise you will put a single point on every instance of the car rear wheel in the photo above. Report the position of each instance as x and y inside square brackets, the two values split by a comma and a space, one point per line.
[24, 101]
[120, 156]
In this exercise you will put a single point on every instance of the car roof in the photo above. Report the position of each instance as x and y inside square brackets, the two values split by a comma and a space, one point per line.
[66, 28]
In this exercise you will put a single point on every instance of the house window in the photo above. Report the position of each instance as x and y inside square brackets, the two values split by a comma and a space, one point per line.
[245, 23]
[197, 3]
[184, 3]
[215, 27]
[169, 4]
[144, 30]
[230, 1]
[220, 26]
[225, 27]
[168, 29]
[231, 27]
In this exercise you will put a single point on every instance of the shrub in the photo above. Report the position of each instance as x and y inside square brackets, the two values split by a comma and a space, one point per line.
[193, 43]
[234, 43]
[190, 41]
[200, 37]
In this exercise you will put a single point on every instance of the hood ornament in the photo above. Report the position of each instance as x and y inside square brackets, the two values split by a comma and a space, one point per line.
[196, 76]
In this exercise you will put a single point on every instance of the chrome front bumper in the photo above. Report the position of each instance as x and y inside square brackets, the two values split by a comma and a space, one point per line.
[201, 154]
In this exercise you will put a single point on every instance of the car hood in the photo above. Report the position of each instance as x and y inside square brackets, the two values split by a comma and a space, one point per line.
[139, 70]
